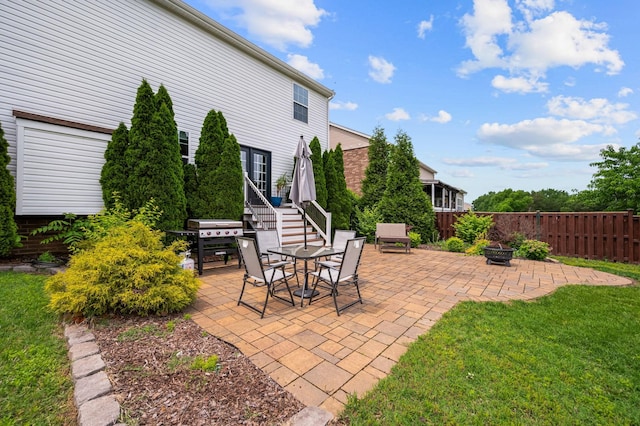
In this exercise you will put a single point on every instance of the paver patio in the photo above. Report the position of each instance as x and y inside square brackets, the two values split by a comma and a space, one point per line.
[321, 358]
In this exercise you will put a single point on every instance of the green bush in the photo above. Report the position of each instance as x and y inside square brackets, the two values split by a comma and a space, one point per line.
[415, 238]
[478, 247]
[533, 249]
[516, 239]
[470, 227]
[454, 244]
[366, 222]
[128, 271]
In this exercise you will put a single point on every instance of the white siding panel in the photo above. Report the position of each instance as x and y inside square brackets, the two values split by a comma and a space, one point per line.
[83, 62]
[58, 169]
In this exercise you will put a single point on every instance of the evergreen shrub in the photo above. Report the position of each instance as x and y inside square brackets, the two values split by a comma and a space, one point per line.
[415, 238]
[367, 219]
[128, 271]
[454, 244]
[534, 250]
[478, 246]
[469, 227]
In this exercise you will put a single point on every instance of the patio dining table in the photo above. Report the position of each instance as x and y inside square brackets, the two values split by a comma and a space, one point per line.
[299, 252]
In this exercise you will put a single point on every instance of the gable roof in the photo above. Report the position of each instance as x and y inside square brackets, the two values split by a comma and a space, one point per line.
[199, 19]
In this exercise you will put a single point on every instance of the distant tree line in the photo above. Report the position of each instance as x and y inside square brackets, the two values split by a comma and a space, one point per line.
[615, 186]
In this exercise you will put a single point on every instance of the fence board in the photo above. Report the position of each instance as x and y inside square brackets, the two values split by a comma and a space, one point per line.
[613, 236]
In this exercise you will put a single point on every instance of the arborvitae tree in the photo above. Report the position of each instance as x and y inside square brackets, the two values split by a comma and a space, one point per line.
[207, 159]
[342, 196]
[8, 229]
[404, 200]
[229, 183]
[318, 172]
[375, 180]
[141, 151]
[190, 186]
[168, 191]
[163, 96]
[337, 203]
[115, 171]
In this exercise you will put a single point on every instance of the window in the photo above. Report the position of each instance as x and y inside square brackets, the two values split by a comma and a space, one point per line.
[300, 103]
[183, 140]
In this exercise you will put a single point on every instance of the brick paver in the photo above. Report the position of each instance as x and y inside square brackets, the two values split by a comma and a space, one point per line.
[321, 357]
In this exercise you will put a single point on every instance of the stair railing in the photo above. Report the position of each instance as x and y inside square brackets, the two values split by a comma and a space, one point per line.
[261, 209]
[319, 219]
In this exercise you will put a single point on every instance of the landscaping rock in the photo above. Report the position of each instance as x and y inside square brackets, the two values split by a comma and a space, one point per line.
[91, 387]
[103, 411]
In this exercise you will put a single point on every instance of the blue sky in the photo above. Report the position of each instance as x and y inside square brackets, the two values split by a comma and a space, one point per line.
[494, 94]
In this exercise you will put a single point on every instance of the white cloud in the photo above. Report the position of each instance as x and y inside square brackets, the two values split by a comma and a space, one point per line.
[625, 91]
[302, 64]
[425, 26]
[277, 23]
[338, 105]
[528, 48]
[546, 137]
[442, 117]
[380, 69]
[499, 162]
[518, 84]
[597, 110]
[397, 114]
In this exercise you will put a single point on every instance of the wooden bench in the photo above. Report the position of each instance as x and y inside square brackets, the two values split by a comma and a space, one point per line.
[392, 236]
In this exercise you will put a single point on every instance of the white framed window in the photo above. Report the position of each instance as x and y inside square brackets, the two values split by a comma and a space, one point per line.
[183, 140]
[300, 103]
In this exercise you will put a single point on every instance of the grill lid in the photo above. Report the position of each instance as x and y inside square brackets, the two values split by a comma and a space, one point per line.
[213, 224]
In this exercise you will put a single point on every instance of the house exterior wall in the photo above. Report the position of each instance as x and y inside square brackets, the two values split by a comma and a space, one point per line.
[355, 163]
[84, 61]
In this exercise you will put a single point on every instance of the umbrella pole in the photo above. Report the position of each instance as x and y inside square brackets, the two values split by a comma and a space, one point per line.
[304, 223]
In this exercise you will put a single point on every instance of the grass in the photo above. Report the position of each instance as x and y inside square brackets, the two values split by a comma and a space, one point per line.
[35, 384]
[572, 357]
[623, 269]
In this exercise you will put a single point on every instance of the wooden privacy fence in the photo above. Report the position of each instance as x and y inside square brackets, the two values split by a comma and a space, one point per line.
[613, 236]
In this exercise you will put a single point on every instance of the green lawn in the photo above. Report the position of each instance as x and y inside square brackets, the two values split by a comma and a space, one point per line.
[572, 357]
[35, 384]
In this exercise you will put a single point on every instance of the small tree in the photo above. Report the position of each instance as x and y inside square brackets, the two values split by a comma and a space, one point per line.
[404, 200]
[375, 180]
[228, 182]
[337, 203]
[318, 172]
[207, 159]
[190, 186]
[8, 229]
[115, 172]
[616, 184]
[141, 150]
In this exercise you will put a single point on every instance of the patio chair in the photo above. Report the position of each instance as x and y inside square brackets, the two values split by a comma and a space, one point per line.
[392, 235]
[260, 275]
[332, 278]
[266, 239]
[340, 239]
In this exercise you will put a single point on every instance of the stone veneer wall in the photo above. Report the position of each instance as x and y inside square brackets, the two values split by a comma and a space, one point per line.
[355, 163]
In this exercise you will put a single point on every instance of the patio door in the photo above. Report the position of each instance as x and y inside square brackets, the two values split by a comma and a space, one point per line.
[257, 164]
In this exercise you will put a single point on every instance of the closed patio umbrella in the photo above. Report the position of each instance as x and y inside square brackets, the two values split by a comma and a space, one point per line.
[303, 184]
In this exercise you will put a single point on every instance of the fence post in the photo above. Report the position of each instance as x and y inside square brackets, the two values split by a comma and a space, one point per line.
[538, 237]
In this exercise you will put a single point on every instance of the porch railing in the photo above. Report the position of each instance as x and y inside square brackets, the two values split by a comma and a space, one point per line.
[261, 209]
[319, 219]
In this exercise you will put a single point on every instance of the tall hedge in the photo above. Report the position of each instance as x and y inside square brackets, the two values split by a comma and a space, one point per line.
[115, 171]
[153, 158]
[8, 229]
[228, 182]
[141, 151]
[375, 180]
[318, 172]
[404, 200]
[207, 159]
[339, 201]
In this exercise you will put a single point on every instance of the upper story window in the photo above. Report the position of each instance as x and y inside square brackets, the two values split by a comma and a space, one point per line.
[300, 103]
[183, 139]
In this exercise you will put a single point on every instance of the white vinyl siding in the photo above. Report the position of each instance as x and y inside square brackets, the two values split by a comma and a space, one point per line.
[84, 61]
[58, 169]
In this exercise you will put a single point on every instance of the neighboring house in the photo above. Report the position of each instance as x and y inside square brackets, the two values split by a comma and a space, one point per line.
[355, 146]
[69, 76]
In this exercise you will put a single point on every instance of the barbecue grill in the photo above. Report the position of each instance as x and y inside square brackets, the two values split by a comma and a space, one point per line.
[212, 237]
